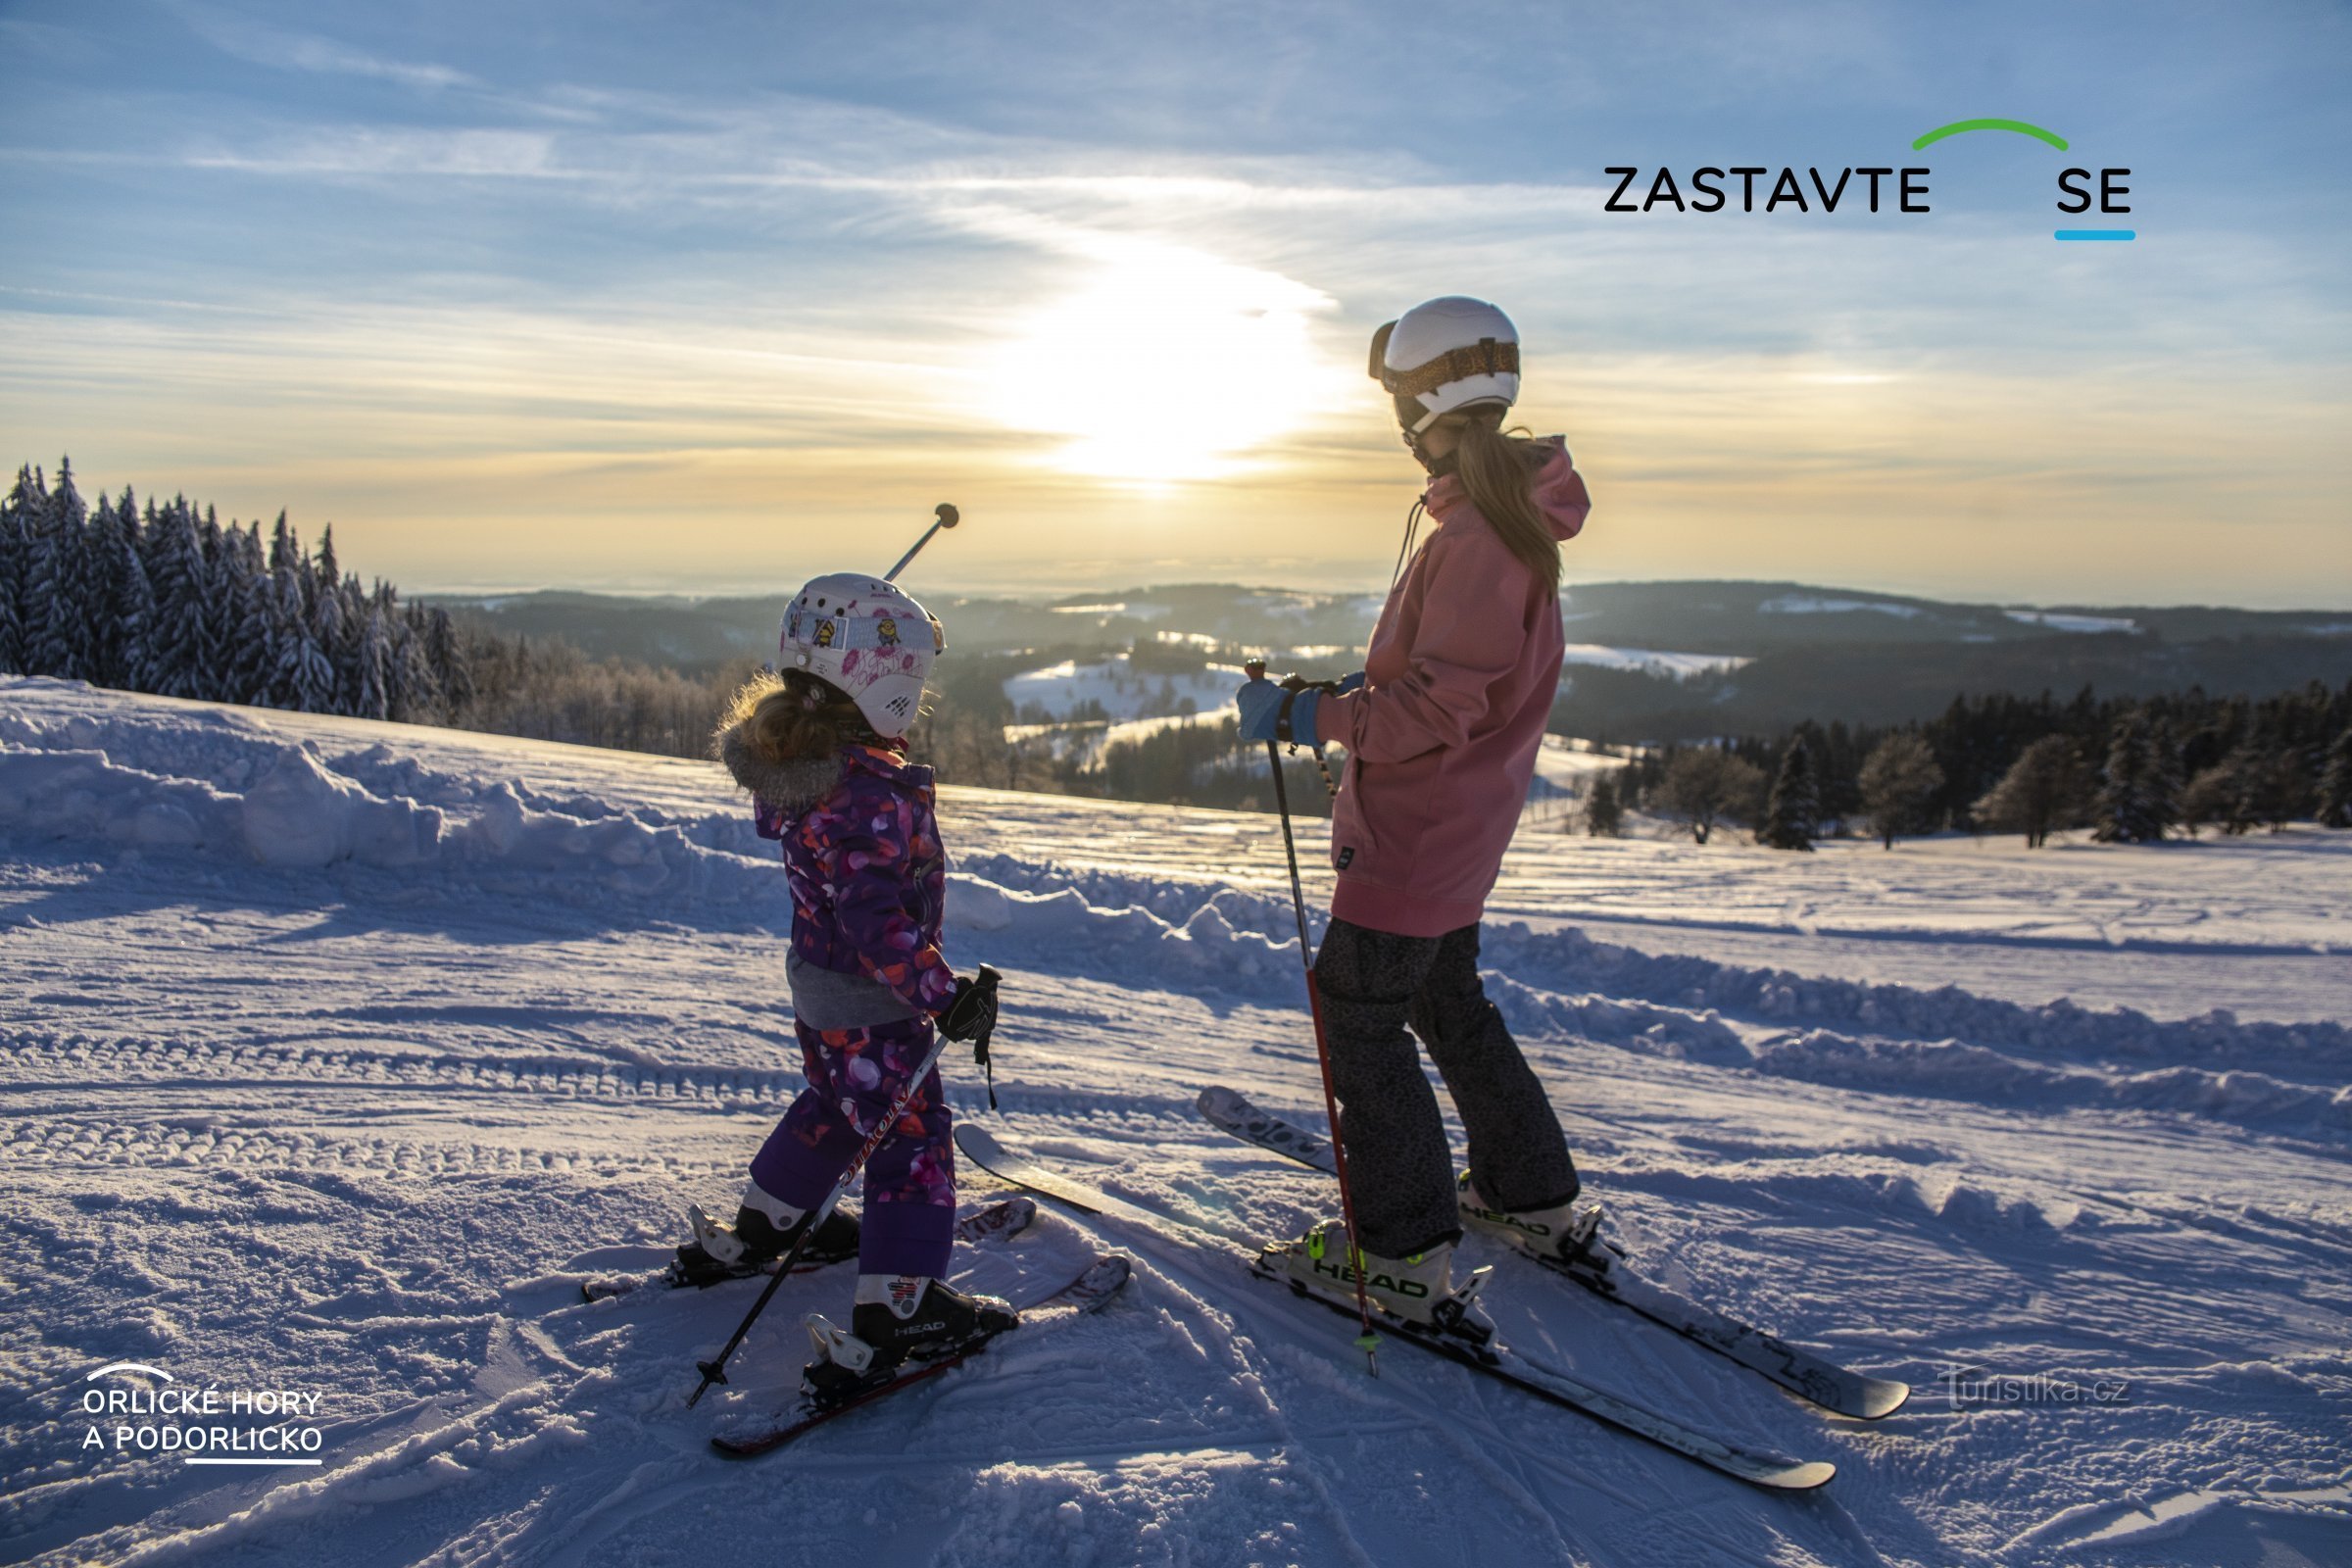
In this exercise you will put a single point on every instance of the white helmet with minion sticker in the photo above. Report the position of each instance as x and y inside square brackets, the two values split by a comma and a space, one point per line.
[868, 637]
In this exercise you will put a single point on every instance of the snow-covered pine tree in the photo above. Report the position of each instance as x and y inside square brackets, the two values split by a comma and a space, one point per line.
[52, 615]
[288, 614]
[2127, 811]
[329, 632]
[71, 627]
[2334, 805]
[374, 662]
[28, 508]
[285, 550]
[351, 657]
[252, 651]
[131, 603]
[303, 680]
[1793, 811]
[13, 550]
[410, 695]
[217, 620]
[177, 575]
[96, 584]
[451, 665]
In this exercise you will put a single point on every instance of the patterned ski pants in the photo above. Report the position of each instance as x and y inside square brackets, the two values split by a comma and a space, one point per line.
[909, 1222]
[1373, 984]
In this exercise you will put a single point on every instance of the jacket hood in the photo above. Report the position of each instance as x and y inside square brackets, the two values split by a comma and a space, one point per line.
[1558, 490]
[791, 787]
[886, 762]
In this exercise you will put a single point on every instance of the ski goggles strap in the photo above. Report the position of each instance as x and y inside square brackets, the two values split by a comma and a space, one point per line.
[1487, 357]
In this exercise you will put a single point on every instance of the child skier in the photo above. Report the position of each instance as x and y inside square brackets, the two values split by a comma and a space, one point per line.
[1441, 728]
[821, 748]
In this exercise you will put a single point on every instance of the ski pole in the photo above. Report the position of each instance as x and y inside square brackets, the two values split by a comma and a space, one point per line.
[1368, 1341]
[715, 1370]
[949, 517]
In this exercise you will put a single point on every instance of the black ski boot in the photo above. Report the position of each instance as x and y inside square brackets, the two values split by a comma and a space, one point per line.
[897, 1319]
[721, 1253]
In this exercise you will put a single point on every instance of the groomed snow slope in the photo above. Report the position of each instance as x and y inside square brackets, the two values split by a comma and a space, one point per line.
[333, 1055]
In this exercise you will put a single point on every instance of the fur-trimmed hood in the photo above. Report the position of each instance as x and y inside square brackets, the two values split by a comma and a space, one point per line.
[790, 787]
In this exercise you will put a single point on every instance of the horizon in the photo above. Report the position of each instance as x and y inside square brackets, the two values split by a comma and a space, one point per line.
[575, 296]
[1043, 593]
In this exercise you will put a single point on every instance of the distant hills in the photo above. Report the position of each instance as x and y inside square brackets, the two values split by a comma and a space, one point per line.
[1807, 651]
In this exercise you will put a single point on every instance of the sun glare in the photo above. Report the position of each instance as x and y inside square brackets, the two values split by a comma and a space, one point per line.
[1169, 364]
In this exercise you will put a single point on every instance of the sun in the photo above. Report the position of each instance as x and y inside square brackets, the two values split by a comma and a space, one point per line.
[1166, 365]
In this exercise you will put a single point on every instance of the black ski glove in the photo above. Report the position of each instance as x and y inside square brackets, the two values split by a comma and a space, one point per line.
[972, 1012]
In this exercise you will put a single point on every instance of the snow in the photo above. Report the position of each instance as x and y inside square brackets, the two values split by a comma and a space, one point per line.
[1812, 605]
[1654, 661]
[2058, 620]
[1124, 693]
[334, 1054]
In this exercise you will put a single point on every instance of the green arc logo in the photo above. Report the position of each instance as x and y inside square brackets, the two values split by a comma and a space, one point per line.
[1959, 126]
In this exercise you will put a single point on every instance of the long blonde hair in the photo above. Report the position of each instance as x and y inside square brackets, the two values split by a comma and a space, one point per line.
[794, 715]
[1498, 470]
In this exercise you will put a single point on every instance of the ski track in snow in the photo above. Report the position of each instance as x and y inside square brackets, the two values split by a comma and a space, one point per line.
[334, 1055]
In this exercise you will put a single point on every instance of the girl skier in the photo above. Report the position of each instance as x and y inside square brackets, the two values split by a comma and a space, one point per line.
[821, 749]
[1441, 728]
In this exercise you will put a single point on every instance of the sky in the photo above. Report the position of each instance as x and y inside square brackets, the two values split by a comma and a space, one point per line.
[712, 296]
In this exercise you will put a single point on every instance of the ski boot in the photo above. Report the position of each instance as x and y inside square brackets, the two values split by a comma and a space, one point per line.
[898, 1318]
[1415, 1292]
[1560, 1233]
[764, 1231]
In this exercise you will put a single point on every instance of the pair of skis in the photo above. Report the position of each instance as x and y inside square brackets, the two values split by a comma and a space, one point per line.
[1085, 1290]
[1774, 1472]
[1089, 1289]
[1608, 1276]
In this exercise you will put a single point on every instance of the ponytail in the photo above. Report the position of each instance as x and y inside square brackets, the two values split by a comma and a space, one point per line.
[1497, 472]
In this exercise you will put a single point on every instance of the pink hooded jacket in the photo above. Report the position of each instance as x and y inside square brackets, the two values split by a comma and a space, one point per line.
[1458, 682]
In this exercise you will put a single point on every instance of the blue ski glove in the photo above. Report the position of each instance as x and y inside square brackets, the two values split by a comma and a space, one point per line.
[1350, 683]
[1271, 714]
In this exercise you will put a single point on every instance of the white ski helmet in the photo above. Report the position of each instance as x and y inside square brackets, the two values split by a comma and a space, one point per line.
[1445, 355]
[869, 638]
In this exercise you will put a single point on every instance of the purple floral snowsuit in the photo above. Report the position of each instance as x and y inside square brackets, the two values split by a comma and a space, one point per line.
[868, 880]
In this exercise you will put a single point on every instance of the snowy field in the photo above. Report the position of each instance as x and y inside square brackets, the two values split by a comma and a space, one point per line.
[334, 1055]
[1122, 691]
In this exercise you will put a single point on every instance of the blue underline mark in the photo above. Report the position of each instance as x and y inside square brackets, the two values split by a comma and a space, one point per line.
[2098, 234]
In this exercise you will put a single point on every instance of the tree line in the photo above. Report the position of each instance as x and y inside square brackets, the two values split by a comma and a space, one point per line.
[162, 597]
[2131, 770]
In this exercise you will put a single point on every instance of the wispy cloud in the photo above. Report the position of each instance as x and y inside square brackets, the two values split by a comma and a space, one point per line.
[265, 45]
